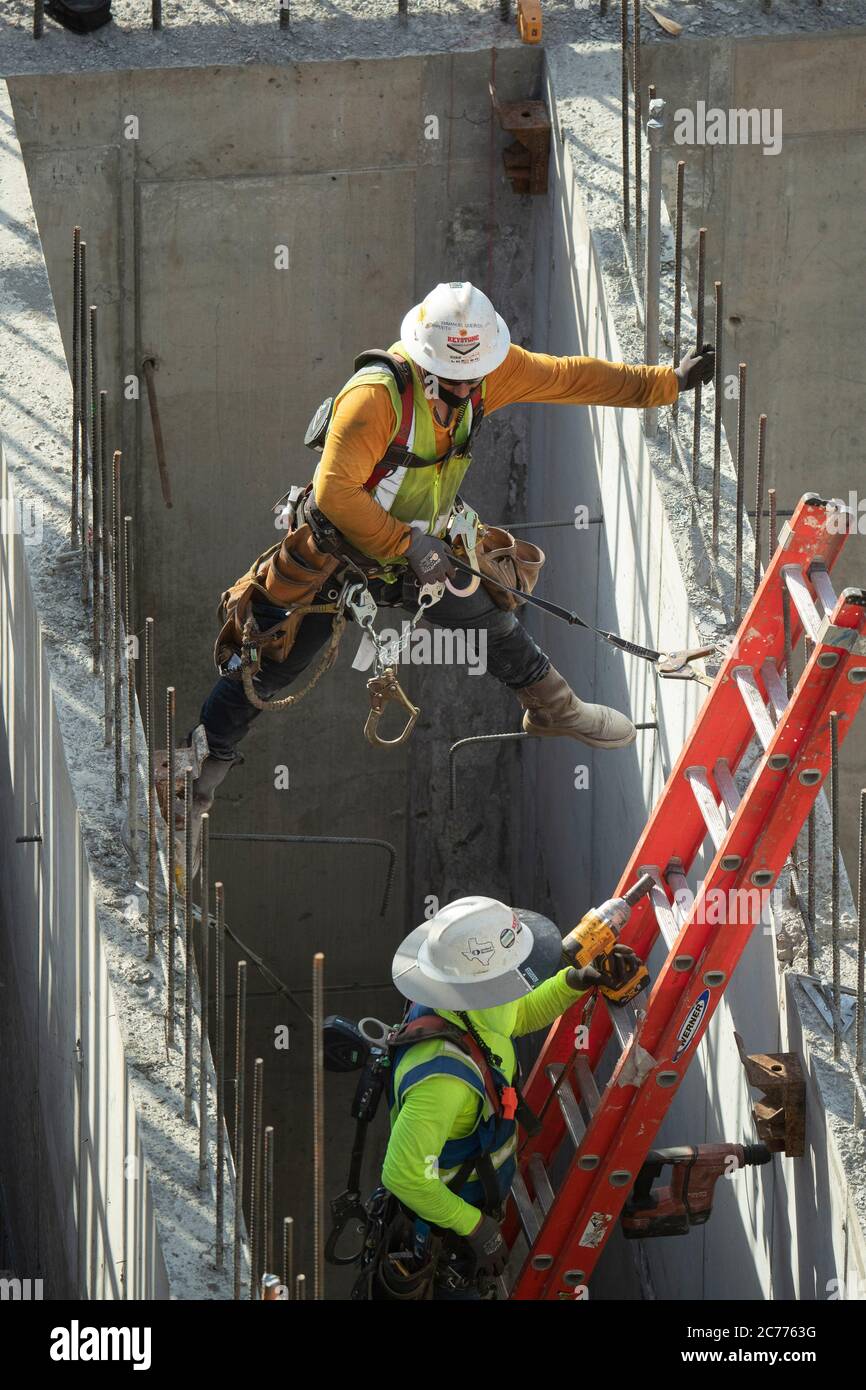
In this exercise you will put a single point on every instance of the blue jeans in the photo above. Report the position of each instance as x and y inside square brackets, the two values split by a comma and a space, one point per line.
[512, 657]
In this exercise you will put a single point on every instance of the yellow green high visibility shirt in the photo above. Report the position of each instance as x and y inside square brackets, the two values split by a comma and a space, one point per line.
[365, 421]
[440, 1108]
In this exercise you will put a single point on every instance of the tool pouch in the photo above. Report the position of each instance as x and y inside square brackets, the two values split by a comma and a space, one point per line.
[513, 562]
[290, 575]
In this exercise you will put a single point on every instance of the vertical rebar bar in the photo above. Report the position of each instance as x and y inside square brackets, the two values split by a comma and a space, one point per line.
[285, 14]
[132, 722]
[699, 328]
[678, 278]
[204, 991]
[38, 18]
[219, 1061]
[638, 153]
[116, 673]
[169, 846]
[156, 14]
[76, 373]
[97, 498]
[150, 739]
[861, 934]
[759, 499]
[834, 881]
[318, 1127]
[105, 564]
[741, 477]
[719, 391]
[187, 944]
[626, 175]
[268, 1244]
[652, 275]
[85, 432]
[301, 1287]
[288, 1255]
[240, 1063]
[773, 534]
[256, 1178]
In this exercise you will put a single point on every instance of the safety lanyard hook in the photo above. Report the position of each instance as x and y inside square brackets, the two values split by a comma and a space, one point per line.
[385, 687]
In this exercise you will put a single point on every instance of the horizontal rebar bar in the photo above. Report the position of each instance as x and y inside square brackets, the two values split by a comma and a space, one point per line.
[323, 840]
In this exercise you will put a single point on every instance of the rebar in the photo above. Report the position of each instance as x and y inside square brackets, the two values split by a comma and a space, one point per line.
[678, 277]
[85, 433]
[204, 990]
[834, 881]
[150, 736]
[638, 157]
[240, 1063]
[38, 18]
[699, 329]
[187, 944]
[626, 189]
[759, 497]
[652, 272]
[97, 500]
[505, 10]
[288, 1255]
[106, 507]
[132, 721]
[147, 368]
[219, 1061]
[285, 14]
[116, 676]
[773, 534]
[301, 1287]
[156, 14]
[318, 1127]
[861, 934]
[741, 467]
[324, 840]
[169, 843]
[718, 394]
[256, 1178]
[269, 1198]
[76, 372]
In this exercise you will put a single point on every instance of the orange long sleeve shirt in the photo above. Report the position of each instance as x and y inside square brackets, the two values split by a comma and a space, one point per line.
[364, 423]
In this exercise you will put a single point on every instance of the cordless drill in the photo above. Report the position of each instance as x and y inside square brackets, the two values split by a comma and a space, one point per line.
[593, 939]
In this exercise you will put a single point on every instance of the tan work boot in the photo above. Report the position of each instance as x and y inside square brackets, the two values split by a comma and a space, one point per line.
[553, 709]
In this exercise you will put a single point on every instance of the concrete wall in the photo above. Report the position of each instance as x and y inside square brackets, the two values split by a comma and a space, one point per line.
[783, 237]
[333, 161]
[637, 575]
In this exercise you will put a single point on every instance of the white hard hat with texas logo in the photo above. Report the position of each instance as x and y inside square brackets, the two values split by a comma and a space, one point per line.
[475, 954]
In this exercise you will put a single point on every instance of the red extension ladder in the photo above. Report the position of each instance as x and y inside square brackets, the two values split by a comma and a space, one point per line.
[752, 835]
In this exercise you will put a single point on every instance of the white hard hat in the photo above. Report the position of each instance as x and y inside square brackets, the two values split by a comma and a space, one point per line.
[455, 333]
[474, 954]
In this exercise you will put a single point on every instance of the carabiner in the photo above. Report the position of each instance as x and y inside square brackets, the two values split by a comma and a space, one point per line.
[382, 688]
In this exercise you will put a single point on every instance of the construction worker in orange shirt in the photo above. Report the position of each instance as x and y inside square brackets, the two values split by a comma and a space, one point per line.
[396, 443]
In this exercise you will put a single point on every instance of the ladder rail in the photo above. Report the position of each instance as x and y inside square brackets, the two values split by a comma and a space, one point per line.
[761, 833]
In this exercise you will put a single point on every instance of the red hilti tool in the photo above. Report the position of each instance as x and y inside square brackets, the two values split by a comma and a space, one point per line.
[688, 1201]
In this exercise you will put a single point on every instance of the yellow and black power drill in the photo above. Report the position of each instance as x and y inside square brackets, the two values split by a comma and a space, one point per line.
[594, 942]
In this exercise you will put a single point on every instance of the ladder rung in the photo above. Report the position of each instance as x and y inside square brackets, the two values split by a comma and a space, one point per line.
[823, 588]
[802, 599]
[567, 1103]
[776, 688]
[727, 786]
[589, 1092]
[679, 884]
[624, 1021]
[699, 783]
[661, 906]
[753, 700]
[525, 1210]
[540, 1181]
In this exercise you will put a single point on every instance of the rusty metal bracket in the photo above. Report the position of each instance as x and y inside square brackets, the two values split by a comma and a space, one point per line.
[780, 1118]
[526, 158]
[529, 20]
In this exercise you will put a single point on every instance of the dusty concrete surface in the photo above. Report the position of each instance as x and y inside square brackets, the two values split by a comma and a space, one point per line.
[211, 31]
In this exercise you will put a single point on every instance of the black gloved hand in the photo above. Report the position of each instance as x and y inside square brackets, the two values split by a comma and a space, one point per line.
[620, 965]
[697, 366]
[488, 1246]
[583, 977]
[430, 558]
